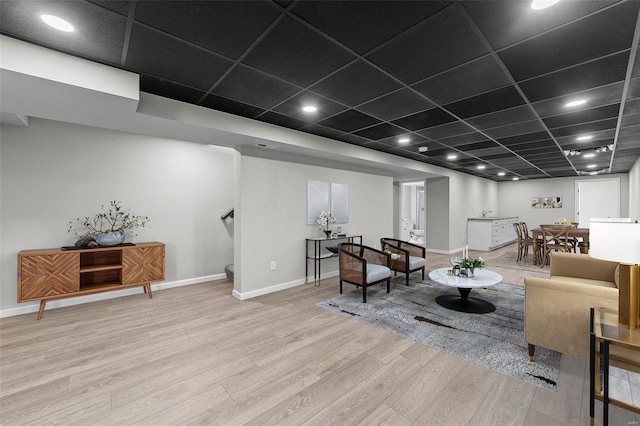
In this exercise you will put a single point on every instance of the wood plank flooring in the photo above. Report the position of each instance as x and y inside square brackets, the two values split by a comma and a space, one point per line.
[195, 355]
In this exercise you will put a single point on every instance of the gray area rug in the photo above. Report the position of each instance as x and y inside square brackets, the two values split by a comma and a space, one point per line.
[494, 340]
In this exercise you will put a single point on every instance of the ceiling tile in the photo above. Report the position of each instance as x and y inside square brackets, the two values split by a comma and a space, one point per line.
[167, 89]
[463, 139]
[293, 106]
[582, 116]
[422, 120]
[506, 22]
[349, 121]
[94, 23]
[418, 54]
[514, 115]
[462, 82]
[578, 42]
[515, 129]
[254, 88]
[119, 6]
[207, 23]
[232, 107]
[355, 84]
[364, 25]
[600, 72]
[380, 131]
[585, 127]
[397, 104]
[528, 137]
[327, 132]
[496, 100]
[282, 120]
[446, 130]
[297, 54]
[158, 55]
[598, 96]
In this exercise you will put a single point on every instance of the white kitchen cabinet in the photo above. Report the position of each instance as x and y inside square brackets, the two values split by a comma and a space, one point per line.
[490, 233]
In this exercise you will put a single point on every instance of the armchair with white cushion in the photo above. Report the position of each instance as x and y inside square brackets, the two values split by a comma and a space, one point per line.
[412, 256]
[363, 266]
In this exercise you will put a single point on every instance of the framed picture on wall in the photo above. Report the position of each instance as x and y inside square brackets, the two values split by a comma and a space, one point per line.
[556, 202]
[536, 202]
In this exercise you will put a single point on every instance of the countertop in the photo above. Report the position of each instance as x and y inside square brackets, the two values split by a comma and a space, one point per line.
[492, 218]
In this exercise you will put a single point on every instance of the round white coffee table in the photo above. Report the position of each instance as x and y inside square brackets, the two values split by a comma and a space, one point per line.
[463, 303]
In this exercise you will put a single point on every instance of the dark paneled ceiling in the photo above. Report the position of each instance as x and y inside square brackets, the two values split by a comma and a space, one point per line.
[487, 81]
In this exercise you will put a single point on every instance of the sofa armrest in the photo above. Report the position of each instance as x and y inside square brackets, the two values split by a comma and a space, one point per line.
[556, 313]
[581, 266]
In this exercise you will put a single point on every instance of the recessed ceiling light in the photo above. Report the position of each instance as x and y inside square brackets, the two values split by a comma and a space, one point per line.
[423, 148]
[451, 157]
[481, 167]
[591, 166]
[576, 103]
[57, 23]
[589, 155]
[593, 173]
[501, 173]
[542, 4]
[584, 138]
[404, 140]
[309, 108]
[515, 178]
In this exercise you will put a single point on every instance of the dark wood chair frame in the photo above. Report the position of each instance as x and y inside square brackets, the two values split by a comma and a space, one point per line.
[353, 259]
[404, 249]
[554, 238]
[524, 241]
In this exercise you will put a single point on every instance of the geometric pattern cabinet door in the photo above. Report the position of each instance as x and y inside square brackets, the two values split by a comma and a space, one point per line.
[46, 275]
[143, 264]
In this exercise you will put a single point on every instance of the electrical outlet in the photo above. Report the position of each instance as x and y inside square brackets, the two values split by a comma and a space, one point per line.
[273, 265]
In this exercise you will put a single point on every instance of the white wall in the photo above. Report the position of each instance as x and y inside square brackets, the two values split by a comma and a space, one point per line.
[52, 172]
[515, 198]
[272, 207]
[634, 191]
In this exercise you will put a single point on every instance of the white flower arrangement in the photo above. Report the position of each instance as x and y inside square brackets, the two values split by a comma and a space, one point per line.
[325, 219]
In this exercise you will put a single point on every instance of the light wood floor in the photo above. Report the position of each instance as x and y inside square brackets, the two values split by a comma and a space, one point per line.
[197, 355]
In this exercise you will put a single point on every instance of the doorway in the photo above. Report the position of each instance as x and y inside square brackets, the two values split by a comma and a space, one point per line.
[597, 198]
[413, 213]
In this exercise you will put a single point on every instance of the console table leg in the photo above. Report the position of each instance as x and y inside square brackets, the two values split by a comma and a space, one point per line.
[41, 310]
[147, 289]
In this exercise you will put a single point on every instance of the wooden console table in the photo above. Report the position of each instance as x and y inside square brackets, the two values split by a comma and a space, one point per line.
[49, 274]
[318, 256]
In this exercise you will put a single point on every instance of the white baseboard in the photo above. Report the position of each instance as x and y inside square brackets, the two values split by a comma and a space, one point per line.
[262, 291]
[77, 300]
[278, 287]
[445, 251]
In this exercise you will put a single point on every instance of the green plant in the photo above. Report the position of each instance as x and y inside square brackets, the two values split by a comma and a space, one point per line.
[112, 218]
[471, 263]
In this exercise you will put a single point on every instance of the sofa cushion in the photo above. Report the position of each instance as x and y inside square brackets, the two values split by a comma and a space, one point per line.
[377, 272]
[416, 262]
[598, 283]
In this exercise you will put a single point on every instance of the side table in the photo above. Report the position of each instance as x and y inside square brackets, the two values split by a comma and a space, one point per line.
[318, 256]
[611, 343]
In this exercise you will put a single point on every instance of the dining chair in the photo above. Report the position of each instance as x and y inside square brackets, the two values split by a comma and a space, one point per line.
[554, 238]
[572, 241]
[524, 242]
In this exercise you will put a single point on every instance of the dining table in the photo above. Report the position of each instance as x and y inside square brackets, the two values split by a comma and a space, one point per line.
[578, 233]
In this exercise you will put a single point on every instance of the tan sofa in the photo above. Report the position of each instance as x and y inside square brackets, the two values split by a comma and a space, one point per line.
[556, 309]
